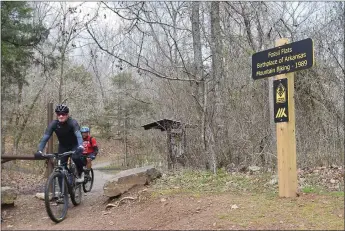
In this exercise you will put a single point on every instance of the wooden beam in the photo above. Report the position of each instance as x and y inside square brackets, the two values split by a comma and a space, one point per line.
[20, 157]
[286, 141]
[50, 163]
[6, 158]
[169, 146]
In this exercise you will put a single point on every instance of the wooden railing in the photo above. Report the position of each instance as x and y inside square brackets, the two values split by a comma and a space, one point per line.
[6, 158]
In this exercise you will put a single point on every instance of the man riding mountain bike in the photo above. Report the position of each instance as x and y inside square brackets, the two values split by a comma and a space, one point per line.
[90, 147]
[69, 136]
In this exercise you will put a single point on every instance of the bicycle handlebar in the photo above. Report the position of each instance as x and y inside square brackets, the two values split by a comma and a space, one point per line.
[58, 155]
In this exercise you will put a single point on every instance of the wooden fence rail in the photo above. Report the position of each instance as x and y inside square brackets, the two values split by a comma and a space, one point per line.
[6, 158]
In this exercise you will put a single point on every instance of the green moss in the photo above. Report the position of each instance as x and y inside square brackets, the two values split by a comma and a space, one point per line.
[308, 189]
[336, 193]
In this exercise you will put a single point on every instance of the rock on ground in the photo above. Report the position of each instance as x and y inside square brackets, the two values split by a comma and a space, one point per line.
[254, 168]
[40, 196]
[8, 195]
[125, 180]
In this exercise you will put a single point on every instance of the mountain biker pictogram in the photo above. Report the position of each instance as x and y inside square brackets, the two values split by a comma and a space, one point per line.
[281, 94]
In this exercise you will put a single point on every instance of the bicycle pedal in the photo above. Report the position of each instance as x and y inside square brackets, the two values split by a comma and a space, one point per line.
[60, 201]
[54, 199]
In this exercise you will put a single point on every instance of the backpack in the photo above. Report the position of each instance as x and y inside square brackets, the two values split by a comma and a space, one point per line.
[90, 141]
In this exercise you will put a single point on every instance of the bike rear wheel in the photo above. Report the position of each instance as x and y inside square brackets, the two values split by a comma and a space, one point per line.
[56, 197]
[76, 195]
[76, 189]
[88, 183]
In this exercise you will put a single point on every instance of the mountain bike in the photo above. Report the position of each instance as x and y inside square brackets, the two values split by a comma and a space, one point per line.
[61, 182]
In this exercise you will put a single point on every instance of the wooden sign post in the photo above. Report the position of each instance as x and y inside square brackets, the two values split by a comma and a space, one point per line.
[286, 139]
[281, 62]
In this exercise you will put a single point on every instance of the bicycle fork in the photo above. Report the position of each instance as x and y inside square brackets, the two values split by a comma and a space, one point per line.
[61, 184]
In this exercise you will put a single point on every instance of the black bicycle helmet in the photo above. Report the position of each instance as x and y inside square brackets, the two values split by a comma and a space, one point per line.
[62, 108]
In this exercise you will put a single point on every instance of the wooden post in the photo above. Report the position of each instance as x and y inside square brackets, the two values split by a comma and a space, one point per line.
[50, 164]
[286, 141]
[125, 139]
[169, 157]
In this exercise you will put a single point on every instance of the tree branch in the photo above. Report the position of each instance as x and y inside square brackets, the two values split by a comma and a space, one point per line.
[133, 65]
[137, 17]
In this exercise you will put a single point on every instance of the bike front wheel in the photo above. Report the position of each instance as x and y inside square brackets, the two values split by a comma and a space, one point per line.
[88, 183]
[56, 197]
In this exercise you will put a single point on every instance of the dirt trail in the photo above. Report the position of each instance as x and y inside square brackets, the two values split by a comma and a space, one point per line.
[29, 212]
[100, 178]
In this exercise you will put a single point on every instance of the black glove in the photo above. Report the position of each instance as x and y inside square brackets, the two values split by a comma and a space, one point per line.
[79, 150]
[92, 156]
[38, 155]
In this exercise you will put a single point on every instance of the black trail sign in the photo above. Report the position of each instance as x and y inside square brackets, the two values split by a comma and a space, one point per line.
[283, 59]
[281, 104]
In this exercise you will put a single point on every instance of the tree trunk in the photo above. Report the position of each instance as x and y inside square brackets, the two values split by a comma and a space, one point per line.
[125, 136]
[3, 124]
[98, 77]
[200, 94]
[248, 26]
[17, 120]
[267, 86]
[217, 73]
[62, 52]
[174, 19]
[20, 130]
[125, 143]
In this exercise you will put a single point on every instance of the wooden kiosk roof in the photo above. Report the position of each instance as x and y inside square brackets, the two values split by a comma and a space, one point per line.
[163, 125]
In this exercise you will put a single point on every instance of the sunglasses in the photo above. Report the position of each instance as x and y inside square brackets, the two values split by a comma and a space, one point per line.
[61, 114]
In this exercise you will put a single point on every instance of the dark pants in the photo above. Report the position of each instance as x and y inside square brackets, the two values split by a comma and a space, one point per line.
[83, 158]
[75, 157]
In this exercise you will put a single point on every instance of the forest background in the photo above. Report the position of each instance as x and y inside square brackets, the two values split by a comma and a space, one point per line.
[120, 65]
